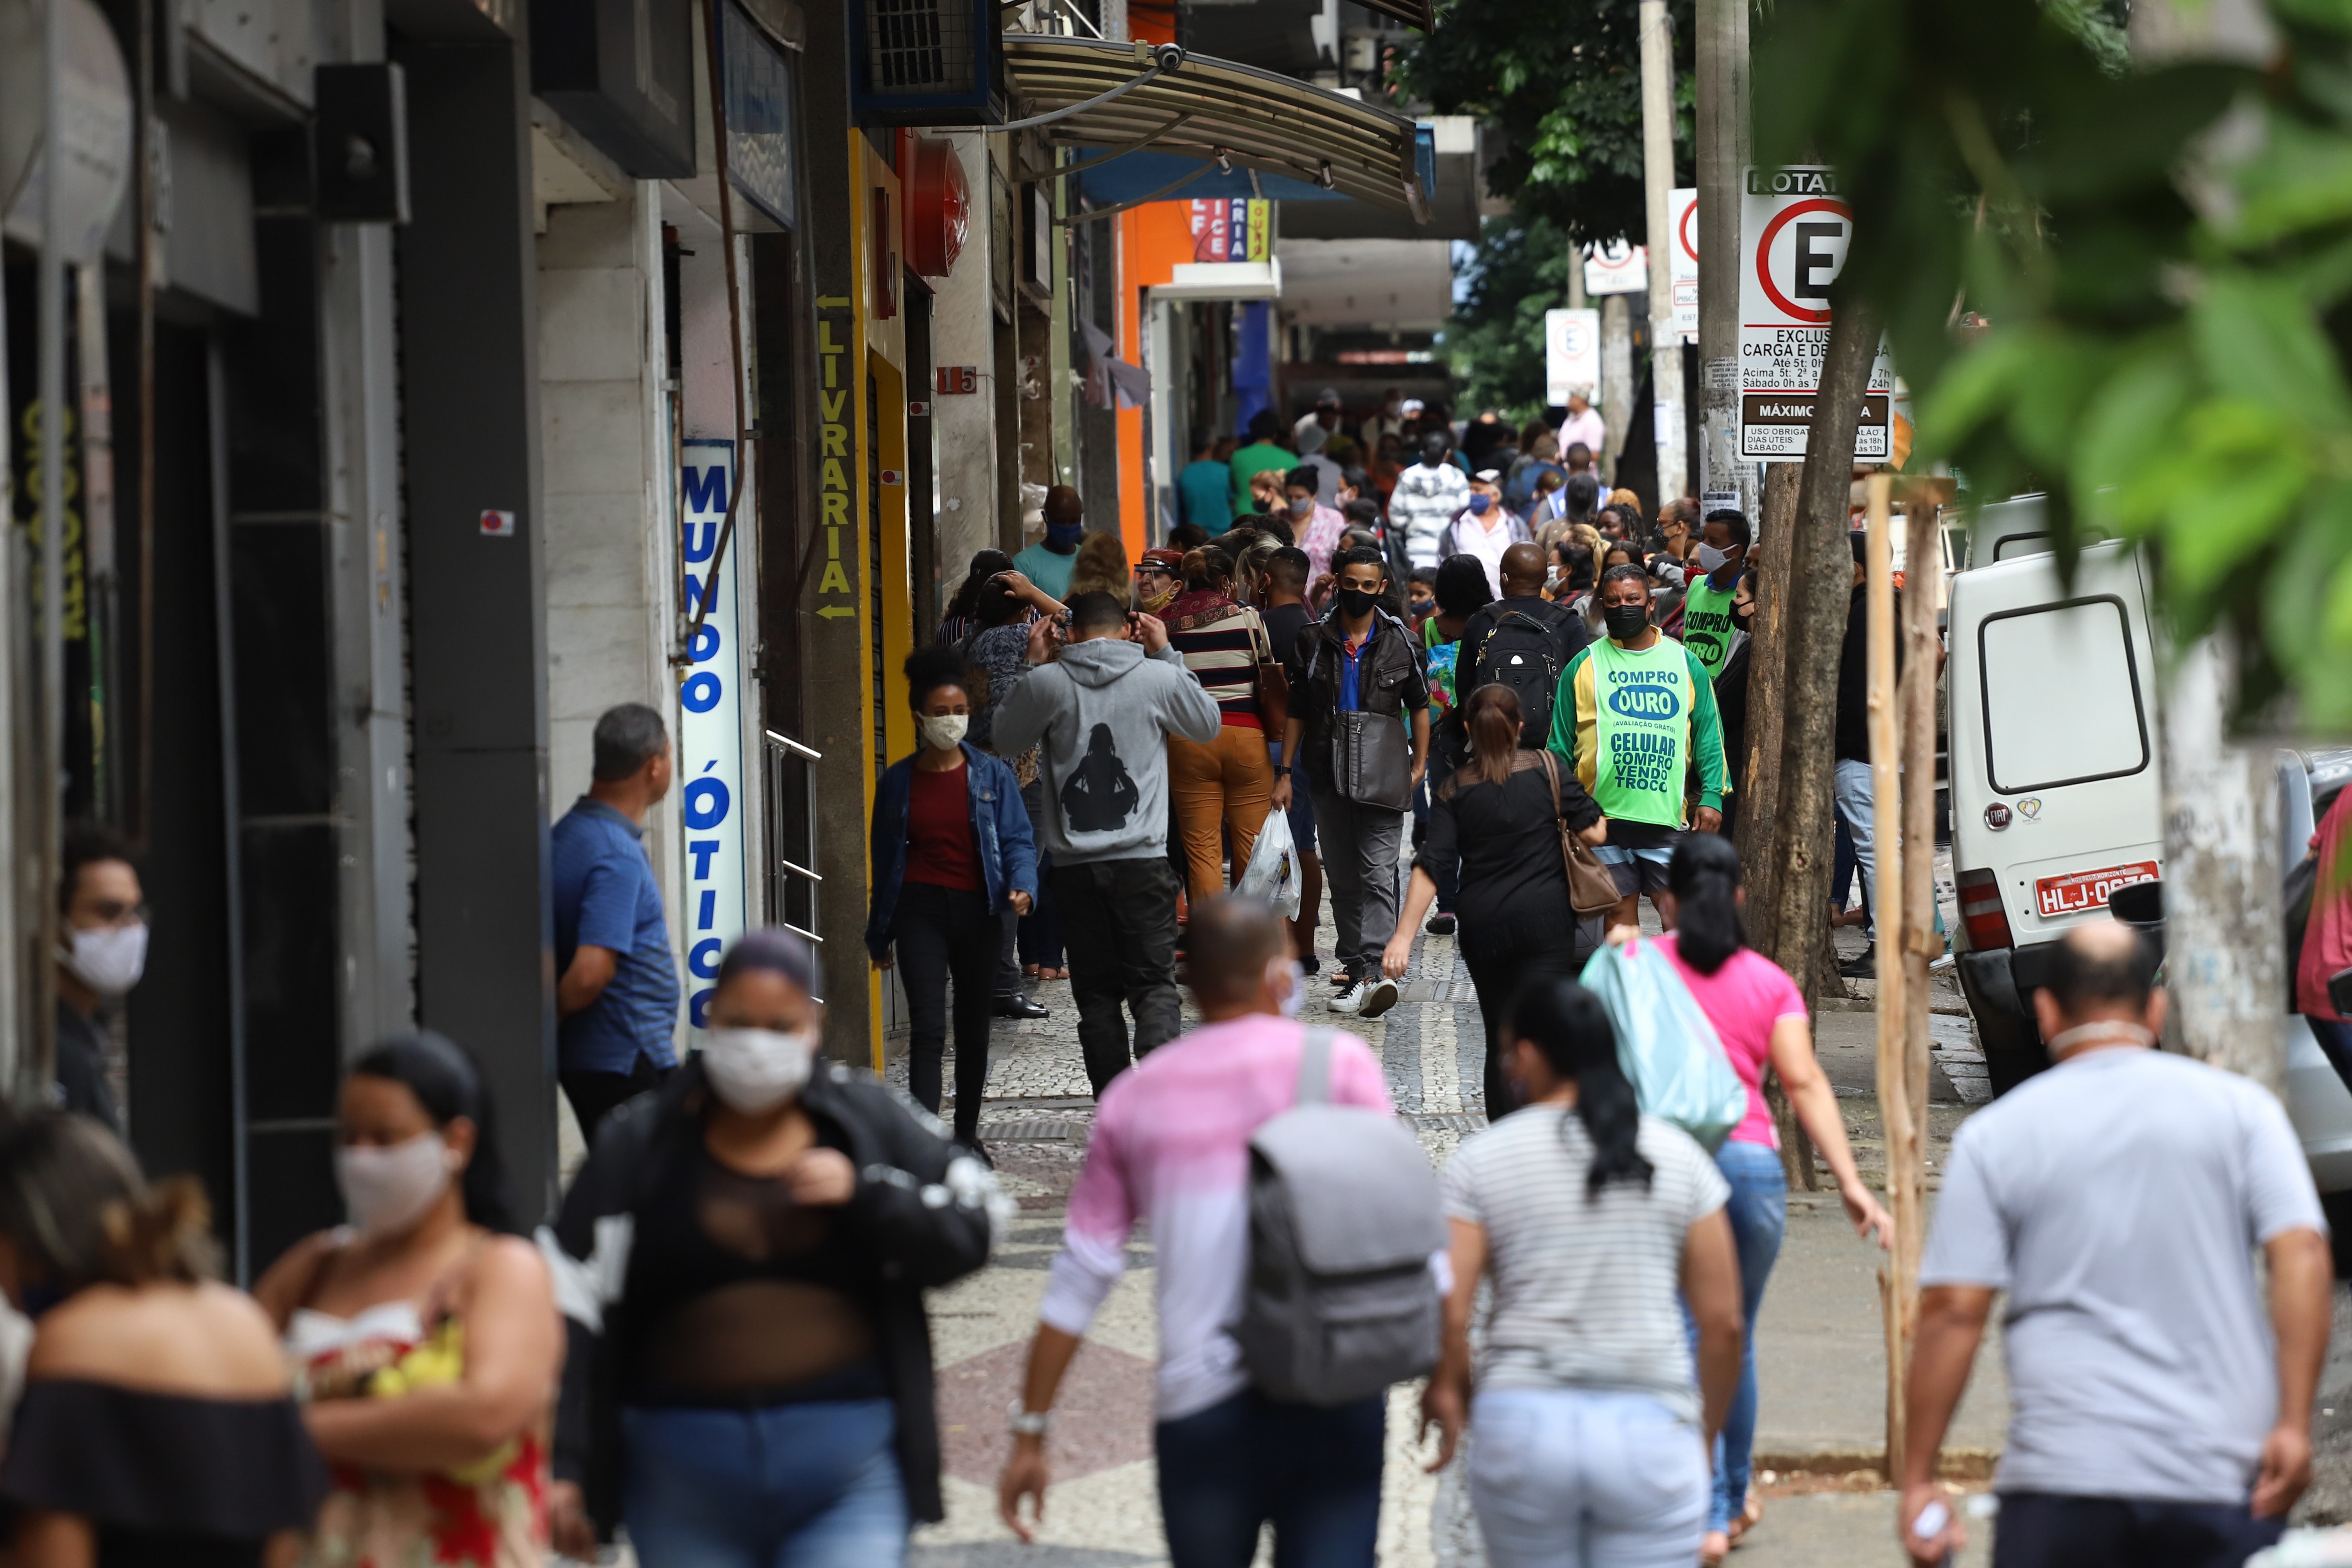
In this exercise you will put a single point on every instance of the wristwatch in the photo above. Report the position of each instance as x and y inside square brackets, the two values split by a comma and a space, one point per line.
[1024, 1423]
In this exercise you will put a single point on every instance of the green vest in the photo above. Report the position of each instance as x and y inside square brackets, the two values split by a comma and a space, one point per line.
[1708, 625]
[1642, 715]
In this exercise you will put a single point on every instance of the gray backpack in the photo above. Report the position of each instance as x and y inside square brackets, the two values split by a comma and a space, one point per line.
[1344, 1215]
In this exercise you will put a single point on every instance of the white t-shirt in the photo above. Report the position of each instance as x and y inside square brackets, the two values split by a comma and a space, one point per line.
[1587, 1292]
[2118, 1198]
[1486, 538]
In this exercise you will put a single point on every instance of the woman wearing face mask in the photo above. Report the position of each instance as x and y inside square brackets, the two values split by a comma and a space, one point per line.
[1315, 526]
[1156, 581]
[952, 855]
[424, 1335]
[744, 1257]
[156, 1425]
[1219, 792]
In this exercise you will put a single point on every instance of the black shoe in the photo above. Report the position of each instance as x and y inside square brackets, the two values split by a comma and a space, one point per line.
[971, 1145]
[1017, 1006]
[1865, 967]
[1309, 962]
[1440, 925]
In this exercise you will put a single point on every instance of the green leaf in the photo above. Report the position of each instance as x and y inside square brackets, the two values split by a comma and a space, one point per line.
[2302, 179]
[2258, 342]
[1978, 386]
[2226, 493]
[2130, 423]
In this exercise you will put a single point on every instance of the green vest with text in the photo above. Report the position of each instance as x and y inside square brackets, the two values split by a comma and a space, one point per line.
[1642, 716]
[1708, 625]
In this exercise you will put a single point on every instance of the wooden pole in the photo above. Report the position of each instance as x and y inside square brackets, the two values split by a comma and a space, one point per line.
[1901, 1127]
[1921, 660]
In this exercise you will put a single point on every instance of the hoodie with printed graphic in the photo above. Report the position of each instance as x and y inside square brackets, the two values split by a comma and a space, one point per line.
[1104, 711]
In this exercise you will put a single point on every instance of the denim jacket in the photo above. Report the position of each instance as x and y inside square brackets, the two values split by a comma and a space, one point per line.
[999, 828]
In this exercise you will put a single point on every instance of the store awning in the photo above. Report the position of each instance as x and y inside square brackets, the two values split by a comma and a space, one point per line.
[1224, 116]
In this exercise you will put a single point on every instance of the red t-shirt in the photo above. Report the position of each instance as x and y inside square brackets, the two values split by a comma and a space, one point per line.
[939, 846]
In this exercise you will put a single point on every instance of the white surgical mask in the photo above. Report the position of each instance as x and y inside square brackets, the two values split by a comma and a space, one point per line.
[388, 1189]
[1711, 560]
[756, 1069]
[109, 959]
[942, 732]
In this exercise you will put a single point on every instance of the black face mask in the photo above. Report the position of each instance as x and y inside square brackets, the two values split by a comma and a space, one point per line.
[1627, 622]
[1355, 601]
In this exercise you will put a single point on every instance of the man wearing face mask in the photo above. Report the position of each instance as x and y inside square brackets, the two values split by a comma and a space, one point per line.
[1710, 629]
[1358, 660]
[1484, 529]
[1171, 1147]
[103, 952]
[1047, 563]
[1427, 496]
[1634, 712]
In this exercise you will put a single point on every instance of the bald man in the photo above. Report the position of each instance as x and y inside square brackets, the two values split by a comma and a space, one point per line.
[1556, 630]
[2159, 1415]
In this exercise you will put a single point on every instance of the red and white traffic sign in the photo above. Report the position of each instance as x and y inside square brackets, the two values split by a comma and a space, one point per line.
[1794, 231]
[1682, 262]
[1615, 268]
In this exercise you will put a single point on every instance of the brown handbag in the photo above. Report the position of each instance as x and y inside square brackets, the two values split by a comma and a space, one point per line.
[1590, 889]
[1273, 686]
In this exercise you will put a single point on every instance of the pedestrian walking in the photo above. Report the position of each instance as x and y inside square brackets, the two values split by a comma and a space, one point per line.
[156, 1425]
[957, 621]
[1009, 606]
[1711, 629]
[1636, 756]
[1762, 1021]
[2157, 1414]
[1310, 440]
[743, 1262]
[1590, 1424]
[1222, 790]
[1287, 616]
[424, 1332]
[1158, 580]
[101, 956]
[1262, 453]
[1425, 498]
[1571, 507]
[1583, 426]
[1048, 562]
[1316, 525]
[1101, 713]
[1855, 793]
[952, 855]
[1484, 529]
[616, 987]
[1497, 819]
[2323, 949]
[1101, 566]
[1524, 641]
[1204, 486]
[1359, 660]
[1462, 585]
[1171, 1148]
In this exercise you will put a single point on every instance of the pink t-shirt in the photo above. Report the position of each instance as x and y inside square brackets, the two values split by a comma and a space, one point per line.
[1744, 999]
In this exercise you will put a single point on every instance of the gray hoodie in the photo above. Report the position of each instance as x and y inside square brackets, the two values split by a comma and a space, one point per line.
[1103, 711]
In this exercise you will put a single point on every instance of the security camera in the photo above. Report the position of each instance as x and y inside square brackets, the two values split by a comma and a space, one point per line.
[1168, 56]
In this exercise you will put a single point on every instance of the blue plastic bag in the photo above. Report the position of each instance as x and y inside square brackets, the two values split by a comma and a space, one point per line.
[1669, 1050]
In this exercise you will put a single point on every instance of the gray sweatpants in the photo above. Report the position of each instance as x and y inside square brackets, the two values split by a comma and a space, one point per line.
[1360, 847]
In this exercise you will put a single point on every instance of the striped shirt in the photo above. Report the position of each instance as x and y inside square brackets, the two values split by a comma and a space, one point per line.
[1587, 1293]
[1220, 642]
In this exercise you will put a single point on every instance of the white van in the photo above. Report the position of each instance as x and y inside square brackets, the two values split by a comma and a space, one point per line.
[2056, 797]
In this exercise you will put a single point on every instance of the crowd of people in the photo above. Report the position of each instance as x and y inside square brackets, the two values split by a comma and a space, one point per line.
[719, 1345]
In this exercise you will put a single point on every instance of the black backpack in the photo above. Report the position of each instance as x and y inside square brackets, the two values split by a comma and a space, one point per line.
[1520, 652]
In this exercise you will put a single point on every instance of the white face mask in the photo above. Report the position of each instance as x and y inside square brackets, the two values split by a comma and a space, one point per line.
[109, 959]
[943, 732]
[388, 1189]
[1711, 560]
[756, 1069]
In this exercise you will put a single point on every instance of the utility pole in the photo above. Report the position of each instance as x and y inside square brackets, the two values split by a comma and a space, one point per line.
[1616, 378]
[1658, 184]
[1723, 155]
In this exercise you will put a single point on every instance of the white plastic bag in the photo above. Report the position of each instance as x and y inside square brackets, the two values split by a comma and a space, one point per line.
[1272, 873]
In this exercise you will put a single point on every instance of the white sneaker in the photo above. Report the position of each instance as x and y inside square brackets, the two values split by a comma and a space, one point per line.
[1375, 996]
[1349, 1001]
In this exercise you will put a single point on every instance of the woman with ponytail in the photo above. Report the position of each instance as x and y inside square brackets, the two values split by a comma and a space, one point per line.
[424, 1333]
[1497, 816]
[1761, 1019]
[156, 1425]
[1596, 1223]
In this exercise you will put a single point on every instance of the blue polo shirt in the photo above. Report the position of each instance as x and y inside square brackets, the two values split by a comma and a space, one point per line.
[605, 896]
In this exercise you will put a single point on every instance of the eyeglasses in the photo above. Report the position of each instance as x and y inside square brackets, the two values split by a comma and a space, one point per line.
[1153, 568]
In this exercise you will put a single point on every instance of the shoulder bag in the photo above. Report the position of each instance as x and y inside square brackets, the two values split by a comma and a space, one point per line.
[1590, 889]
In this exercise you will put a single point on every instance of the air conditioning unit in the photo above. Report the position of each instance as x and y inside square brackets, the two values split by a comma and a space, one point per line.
[926, 62]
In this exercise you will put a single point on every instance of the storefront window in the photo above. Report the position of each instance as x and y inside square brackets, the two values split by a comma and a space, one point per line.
[759, 118]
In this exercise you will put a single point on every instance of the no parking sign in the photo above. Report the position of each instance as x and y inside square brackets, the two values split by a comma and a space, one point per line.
[1571, 354]
[1793, 233]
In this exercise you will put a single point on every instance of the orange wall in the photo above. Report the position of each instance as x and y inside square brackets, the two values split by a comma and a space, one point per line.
[1152, 239]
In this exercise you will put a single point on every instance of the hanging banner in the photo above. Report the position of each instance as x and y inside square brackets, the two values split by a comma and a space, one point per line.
[1232, 228]
[709, 772]
[1682, 260]
[1793, 230]
[1571, 354]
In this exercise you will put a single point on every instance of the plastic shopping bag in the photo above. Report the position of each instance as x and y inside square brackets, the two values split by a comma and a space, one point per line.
[1669, 1050]
[1272, 873]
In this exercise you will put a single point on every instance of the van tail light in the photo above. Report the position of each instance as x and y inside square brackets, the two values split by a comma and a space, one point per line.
[1982, 911]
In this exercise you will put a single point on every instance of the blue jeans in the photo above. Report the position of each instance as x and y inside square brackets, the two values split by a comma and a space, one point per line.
[1583, 1477]
[1759, 1213]
[2036, 1530]
[1314, 1472]
[1855, 795]
[791, 1486]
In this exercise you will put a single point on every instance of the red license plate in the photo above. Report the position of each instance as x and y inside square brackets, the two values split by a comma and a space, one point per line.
[2081, 890]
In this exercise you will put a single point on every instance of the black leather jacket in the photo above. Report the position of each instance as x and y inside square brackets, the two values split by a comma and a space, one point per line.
[1391, 679]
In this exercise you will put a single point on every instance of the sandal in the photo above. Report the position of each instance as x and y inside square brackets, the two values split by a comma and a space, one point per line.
[1712, 1547]
[1031, 972]
[1750, 1517]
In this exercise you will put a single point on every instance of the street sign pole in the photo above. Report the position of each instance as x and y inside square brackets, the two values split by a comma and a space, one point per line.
[1658, 184]
[1725, 480]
